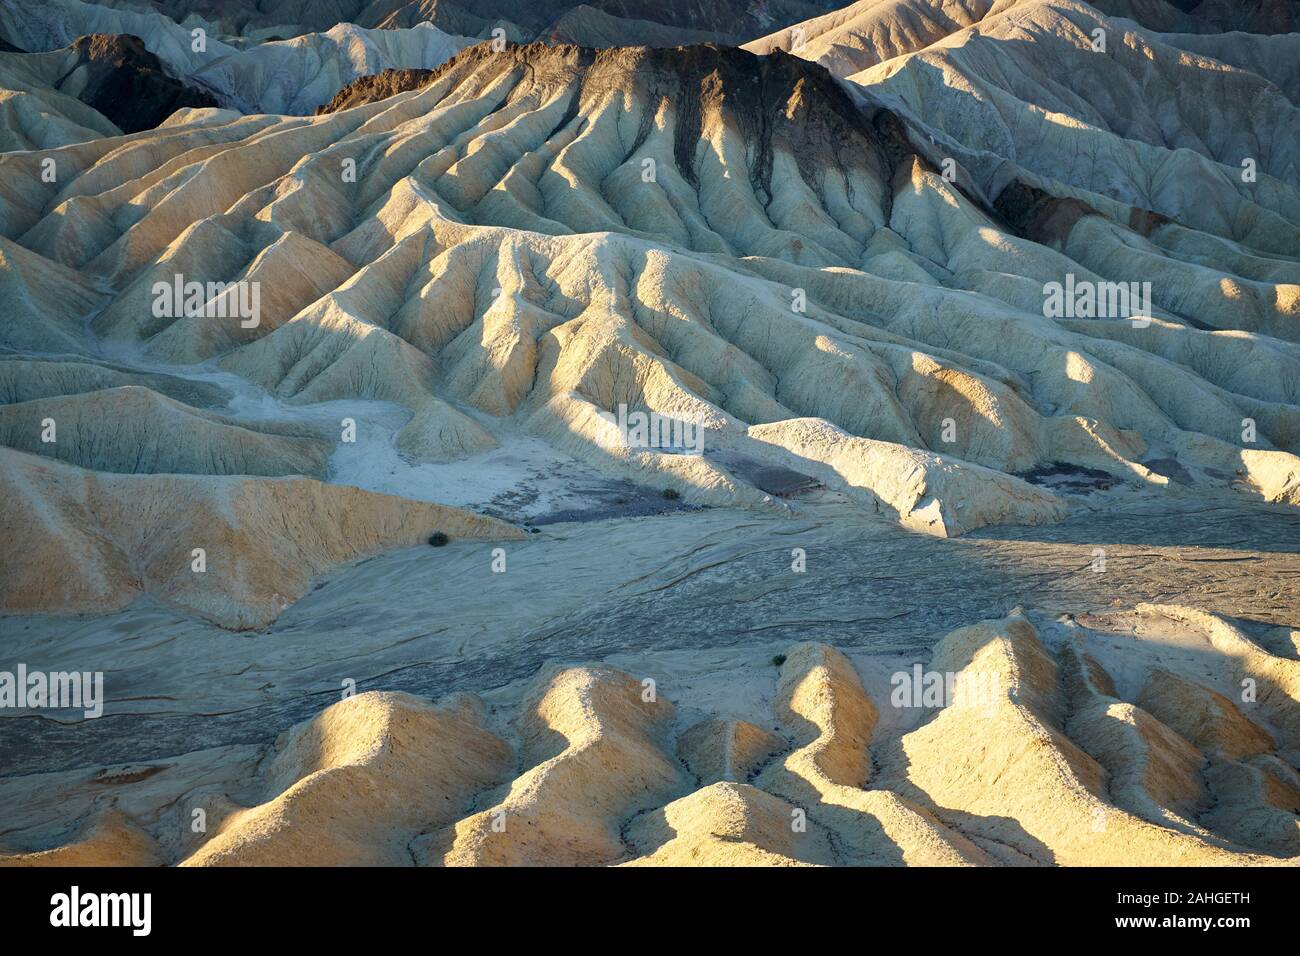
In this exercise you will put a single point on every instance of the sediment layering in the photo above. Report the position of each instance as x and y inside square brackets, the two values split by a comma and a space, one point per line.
[879, 277]
[547, 234]
[274, 76]
[375, 87]
[291, 58]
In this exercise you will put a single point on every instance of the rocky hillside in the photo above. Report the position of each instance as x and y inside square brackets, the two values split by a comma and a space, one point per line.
[964, 337]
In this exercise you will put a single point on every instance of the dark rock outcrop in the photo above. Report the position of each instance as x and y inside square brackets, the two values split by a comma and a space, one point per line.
[119, 77]
[375, 87]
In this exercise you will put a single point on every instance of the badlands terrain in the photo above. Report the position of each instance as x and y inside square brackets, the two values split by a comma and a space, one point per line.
[978, 543]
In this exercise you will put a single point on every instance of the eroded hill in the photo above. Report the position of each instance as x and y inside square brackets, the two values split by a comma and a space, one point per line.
[1031, 756]
[435, 305]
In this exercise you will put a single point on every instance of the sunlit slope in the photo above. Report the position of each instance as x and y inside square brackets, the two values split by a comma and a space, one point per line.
[544, 235]
[1032, 756]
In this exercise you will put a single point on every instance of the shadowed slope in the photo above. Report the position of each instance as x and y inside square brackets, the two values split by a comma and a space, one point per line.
[1033, 758]
[543, 236]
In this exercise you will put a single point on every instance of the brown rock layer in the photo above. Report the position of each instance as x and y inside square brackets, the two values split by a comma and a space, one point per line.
[375, 87]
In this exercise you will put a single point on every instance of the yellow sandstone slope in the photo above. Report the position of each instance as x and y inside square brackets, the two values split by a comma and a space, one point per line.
[1034, 760]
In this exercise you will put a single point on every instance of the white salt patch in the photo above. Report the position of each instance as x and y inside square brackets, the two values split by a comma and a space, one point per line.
[521, 480]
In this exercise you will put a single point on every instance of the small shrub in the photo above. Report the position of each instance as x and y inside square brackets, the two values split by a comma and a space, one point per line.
[439, 540]
[672, 494]
[778, 660]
